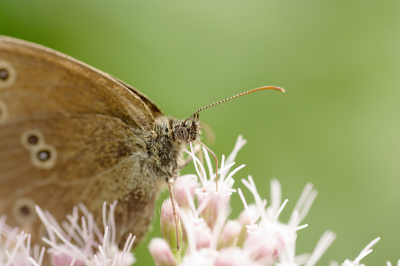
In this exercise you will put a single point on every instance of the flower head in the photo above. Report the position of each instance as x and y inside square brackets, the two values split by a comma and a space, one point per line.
[257, 237]
[362, 254]
[85, 243]
[74, 243]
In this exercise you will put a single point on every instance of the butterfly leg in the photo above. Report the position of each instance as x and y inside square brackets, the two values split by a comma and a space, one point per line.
[198, 152]
[171, 195]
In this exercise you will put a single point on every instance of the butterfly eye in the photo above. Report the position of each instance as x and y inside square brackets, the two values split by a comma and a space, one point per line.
[182, 133]
[7, 74]
[24, 211]
[44, 155]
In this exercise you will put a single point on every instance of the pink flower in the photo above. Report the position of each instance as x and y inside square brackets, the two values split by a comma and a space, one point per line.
[161, 252]
[61, 259]
[234, 256]
[230, 234]
[184, 187]
[88, 239]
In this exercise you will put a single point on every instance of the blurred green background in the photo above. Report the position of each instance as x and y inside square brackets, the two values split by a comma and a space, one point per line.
[336, 126]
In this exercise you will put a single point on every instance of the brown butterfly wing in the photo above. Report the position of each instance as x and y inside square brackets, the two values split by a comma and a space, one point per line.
[46, 81]
[69, 134]
[154, 109]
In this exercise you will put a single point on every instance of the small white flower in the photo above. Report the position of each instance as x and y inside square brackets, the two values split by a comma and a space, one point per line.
[15, 247]
[269, 239]
[213, 201]
[389, 264]
[88, 239]
[362, 254]
[235, 256]
[202, 257]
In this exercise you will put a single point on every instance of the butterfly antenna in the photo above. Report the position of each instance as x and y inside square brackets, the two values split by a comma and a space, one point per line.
[195, 116]
[236, 96]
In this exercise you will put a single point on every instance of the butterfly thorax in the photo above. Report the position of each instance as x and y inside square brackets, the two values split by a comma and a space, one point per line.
[168, 139]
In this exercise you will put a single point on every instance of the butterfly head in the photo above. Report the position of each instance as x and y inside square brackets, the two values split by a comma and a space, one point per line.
[186, 131]
[170, 137]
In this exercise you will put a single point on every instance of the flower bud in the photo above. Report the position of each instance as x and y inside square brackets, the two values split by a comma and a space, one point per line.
[229, 234]
[184, 186]
[161, 252]
[203, 234]
[63, 259]
[244, 219]
[267, 244]
[217, 202]
[233, 257]
[168, 226]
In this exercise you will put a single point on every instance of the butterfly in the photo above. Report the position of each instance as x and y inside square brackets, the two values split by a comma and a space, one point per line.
[70, 133]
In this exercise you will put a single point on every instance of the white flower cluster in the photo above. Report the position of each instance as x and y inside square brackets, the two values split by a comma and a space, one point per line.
[70, 244]
[255, 238]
